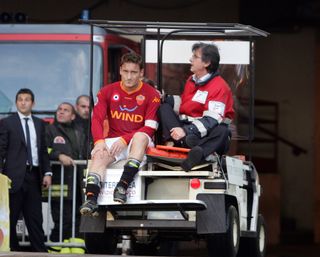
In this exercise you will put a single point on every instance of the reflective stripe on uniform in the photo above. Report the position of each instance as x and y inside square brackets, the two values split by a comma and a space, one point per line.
[55, 191]
[213, 115]
[188, 118]
[192, 119]
[202, 129]
[176, 103]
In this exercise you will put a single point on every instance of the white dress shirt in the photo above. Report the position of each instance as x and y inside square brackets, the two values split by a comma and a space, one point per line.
[33, 137]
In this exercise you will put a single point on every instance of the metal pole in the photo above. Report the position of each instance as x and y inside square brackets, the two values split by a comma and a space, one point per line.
[49, 212]
[61, 203]
[74, 200]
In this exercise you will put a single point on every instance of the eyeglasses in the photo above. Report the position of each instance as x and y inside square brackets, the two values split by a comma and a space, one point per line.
[194, 56]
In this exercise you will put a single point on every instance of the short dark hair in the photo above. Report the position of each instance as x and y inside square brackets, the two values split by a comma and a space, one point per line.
[25, 91]
[209, 53]
[132, 57]
[82, 96]
[67, 103]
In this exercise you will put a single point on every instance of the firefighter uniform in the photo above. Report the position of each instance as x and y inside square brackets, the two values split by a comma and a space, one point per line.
[68, 139]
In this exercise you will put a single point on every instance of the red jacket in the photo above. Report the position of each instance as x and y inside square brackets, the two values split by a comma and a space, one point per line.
[213, 100]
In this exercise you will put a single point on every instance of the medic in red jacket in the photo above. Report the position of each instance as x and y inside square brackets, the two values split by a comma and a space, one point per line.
[200, 118]
[209, 103]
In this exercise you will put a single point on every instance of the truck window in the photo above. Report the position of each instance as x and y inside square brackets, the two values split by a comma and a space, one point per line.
[55, 72]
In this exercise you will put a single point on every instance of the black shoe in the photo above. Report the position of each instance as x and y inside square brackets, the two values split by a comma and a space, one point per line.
[120, 194]
[89, 208]
[192, 141]
[195, 157]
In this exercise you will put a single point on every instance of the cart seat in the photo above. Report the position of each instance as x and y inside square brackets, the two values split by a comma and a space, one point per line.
[170, 157]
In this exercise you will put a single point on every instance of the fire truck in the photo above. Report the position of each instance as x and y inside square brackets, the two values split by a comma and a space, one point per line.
[54, 62]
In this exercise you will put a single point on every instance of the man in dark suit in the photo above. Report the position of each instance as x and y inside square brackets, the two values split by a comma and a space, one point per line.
[24, 159]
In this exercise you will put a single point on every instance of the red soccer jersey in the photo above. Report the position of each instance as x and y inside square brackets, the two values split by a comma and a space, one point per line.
[215, 96]
[127, 112]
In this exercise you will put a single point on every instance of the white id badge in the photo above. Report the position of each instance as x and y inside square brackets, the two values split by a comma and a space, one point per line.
[200, 96]
[217, 107]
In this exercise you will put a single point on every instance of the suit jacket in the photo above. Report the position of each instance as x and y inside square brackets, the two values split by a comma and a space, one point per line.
[13, 150]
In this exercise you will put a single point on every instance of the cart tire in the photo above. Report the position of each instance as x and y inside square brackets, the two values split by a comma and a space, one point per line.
[101, 243]
[255, 246]
[226, 245]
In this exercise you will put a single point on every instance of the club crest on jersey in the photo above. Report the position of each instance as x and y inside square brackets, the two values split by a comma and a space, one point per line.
[140, 99]
[59, 140]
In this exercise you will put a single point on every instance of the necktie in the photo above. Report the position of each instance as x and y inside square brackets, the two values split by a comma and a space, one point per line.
[29, 155]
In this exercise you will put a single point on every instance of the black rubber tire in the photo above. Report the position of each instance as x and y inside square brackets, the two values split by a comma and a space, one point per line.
[226, 245]
[255, 246]
[101, 243]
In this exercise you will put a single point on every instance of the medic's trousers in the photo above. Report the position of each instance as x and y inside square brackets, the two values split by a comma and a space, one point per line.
[217, 140]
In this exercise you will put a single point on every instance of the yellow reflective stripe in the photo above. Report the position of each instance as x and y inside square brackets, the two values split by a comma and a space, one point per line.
[54, 194]
[85, 172]
[57, 194]
[58, 187]
[49, 150]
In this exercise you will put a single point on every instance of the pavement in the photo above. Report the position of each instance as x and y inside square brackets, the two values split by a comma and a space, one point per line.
[302, 250]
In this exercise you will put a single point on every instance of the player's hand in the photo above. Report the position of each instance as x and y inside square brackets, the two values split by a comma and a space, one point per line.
[177, 133]
[99, 147]
[117, 147]
[66, 160]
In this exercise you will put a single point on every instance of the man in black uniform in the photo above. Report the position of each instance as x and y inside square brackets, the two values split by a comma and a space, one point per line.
[24, 159]
[66, 142]
[82, 108]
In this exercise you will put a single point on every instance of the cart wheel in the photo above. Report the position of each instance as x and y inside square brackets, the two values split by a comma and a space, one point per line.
[255, 246]
[226, 245]
[101, 243]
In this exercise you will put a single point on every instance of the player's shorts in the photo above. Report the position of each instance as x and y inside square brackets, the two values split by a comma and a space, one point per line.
[125, 152]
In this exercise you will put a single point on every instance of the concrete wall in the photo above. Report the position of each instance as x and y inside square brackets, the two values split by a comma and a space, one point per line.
[285, 74]
[147, 10]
